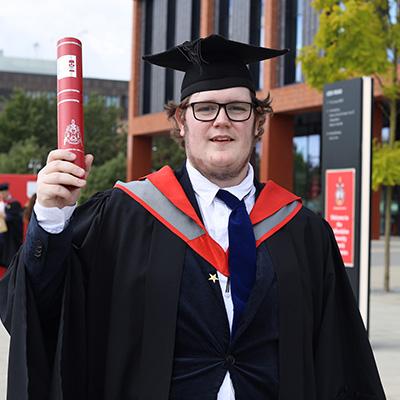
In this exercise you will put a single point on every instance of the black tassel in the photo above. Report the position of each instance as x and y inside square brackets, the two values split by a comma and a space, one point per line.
[192, 52]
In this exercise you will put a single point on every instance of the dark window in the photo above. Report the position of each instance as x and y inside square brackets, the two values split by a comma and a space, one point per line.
[148, 36]
[223, 23]
[195, 33]
[255, 36]
[169, 73]
[290, 41]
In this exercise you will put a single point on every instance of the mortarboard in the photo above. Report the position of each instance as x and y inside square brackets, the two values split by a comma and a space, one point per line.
[213, 63]
[3, 186]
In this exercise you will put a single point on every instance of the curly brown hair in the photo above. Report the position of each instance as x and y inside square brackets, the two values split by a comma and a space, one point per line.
[262, 108]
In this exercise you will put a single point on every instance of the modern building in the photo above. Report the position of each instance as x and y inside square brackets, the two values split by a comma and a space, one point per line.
[297, 121]
[40, 76]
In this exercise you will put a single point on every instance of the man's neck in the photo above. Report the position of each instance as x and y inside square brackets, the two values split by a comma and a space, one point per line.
[225, 183]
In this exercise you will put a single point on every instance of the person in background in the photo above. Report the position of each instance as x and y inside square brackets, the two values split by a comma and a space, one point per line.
[11, 239]
[196, 284]
[27, 212]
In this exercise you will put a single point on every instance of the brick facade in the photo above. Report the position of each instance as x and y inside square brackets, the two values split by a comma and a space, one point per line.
[277, 142]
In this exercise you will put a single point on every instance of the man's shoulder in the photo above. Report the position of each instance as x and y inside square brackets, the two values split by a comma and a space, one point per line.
[310, 216]
[310, 226]
[13, 207]
[304, 216]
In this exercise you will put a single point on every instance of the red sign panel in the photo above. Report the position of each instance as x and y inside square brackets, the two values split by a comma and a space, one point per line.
[21, 186]
[339, 209]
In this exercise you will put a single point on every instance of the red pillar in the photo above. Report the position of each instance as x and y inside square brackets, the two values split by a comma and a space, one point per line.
[139, 156]
[206, 17]
[277, 151]
[139, 147]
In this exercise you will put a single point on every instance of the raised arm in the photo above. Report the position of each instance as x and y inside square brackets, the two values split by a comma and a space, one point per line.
[47, 243]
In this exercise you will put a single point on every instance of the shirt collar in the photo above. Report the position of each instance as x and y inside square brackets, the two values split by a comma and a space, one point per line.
[207, 190]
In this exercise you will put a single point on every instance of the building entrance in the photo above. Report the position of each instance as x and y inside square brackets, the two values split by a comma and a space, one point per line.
[307, 160]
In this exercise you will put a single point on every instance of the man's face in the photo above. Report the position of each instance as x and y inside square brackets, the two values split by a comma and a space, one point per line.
[3, 194]
[220, 149]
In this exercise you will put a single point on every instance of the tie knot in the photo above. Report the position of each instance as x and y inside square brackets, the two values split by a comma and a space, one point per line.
[229, 199]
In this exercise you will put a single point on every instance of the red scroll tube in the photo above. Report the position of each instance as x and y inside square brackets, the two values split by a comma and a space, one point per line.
[70, 98]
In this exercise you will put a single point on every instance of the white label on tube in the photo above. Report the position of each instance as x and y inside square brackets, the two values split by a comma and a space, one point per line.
[66, 67]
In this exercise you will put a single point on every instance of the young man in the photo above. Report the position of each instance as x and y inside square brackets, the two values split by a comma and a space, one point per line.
[11, 213]
[165, 288]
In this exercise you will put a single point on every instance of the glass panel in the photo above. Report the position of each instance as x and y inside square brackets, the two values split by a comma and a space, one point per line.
[307, 170]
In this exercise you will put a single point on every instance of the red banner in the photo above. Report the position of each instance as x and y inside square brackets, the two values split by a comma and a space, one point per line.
[339, 209]
[21, 186]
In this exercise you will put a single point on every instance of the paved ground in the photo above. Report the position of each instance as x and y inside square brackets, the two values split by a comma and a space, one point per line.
[384, 322]
[385, 317]
[4, 342]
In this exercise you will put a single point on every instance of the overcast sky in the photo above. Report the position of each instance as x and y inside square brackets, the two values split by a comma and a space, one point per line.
[31, 29]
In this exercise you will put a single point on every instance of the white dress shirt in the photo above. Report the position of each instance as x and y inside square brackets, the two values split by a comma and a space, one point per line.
[215, 214]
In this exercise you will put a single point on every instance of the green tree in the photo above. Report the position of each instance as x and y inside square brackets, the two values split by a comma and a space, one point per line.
[166, 152]
[102, 129]
[28, 129]
[359, 37]
[104, 176]
[16, 161]
[28, 115]
[300, 170]
[386, 165]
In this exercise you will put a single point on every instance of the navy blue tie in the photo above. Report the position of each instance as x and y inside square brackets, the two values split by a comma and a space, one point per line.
[242, 254]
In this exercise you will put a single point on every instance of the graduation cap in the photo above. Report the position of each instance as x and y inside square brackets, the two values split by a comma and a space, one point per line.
[213, 63]
[3, 186]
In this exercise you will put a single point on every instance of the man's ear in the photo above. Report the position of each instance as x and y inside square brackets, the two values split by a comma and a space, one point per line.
[257, 122]
[180, 120]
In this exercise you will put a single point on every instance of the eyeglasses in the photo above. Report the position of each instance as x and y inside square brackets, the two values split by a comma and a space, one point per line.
[237, 111]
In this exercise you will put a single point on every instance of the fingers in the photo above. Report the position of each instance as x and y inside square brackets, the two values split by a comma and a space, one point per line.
[88, 164]
[59, 154]
[60, 181]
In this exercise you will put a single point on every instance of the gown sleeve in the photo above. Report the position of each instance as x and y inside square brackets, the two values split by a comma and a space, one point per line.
[325, 352]
[343, 338]
[31, 298]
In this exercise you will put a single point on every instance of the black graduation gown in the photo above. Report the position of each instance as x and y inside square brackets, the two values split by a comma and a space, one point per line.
[121, 288]
[12, 239]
